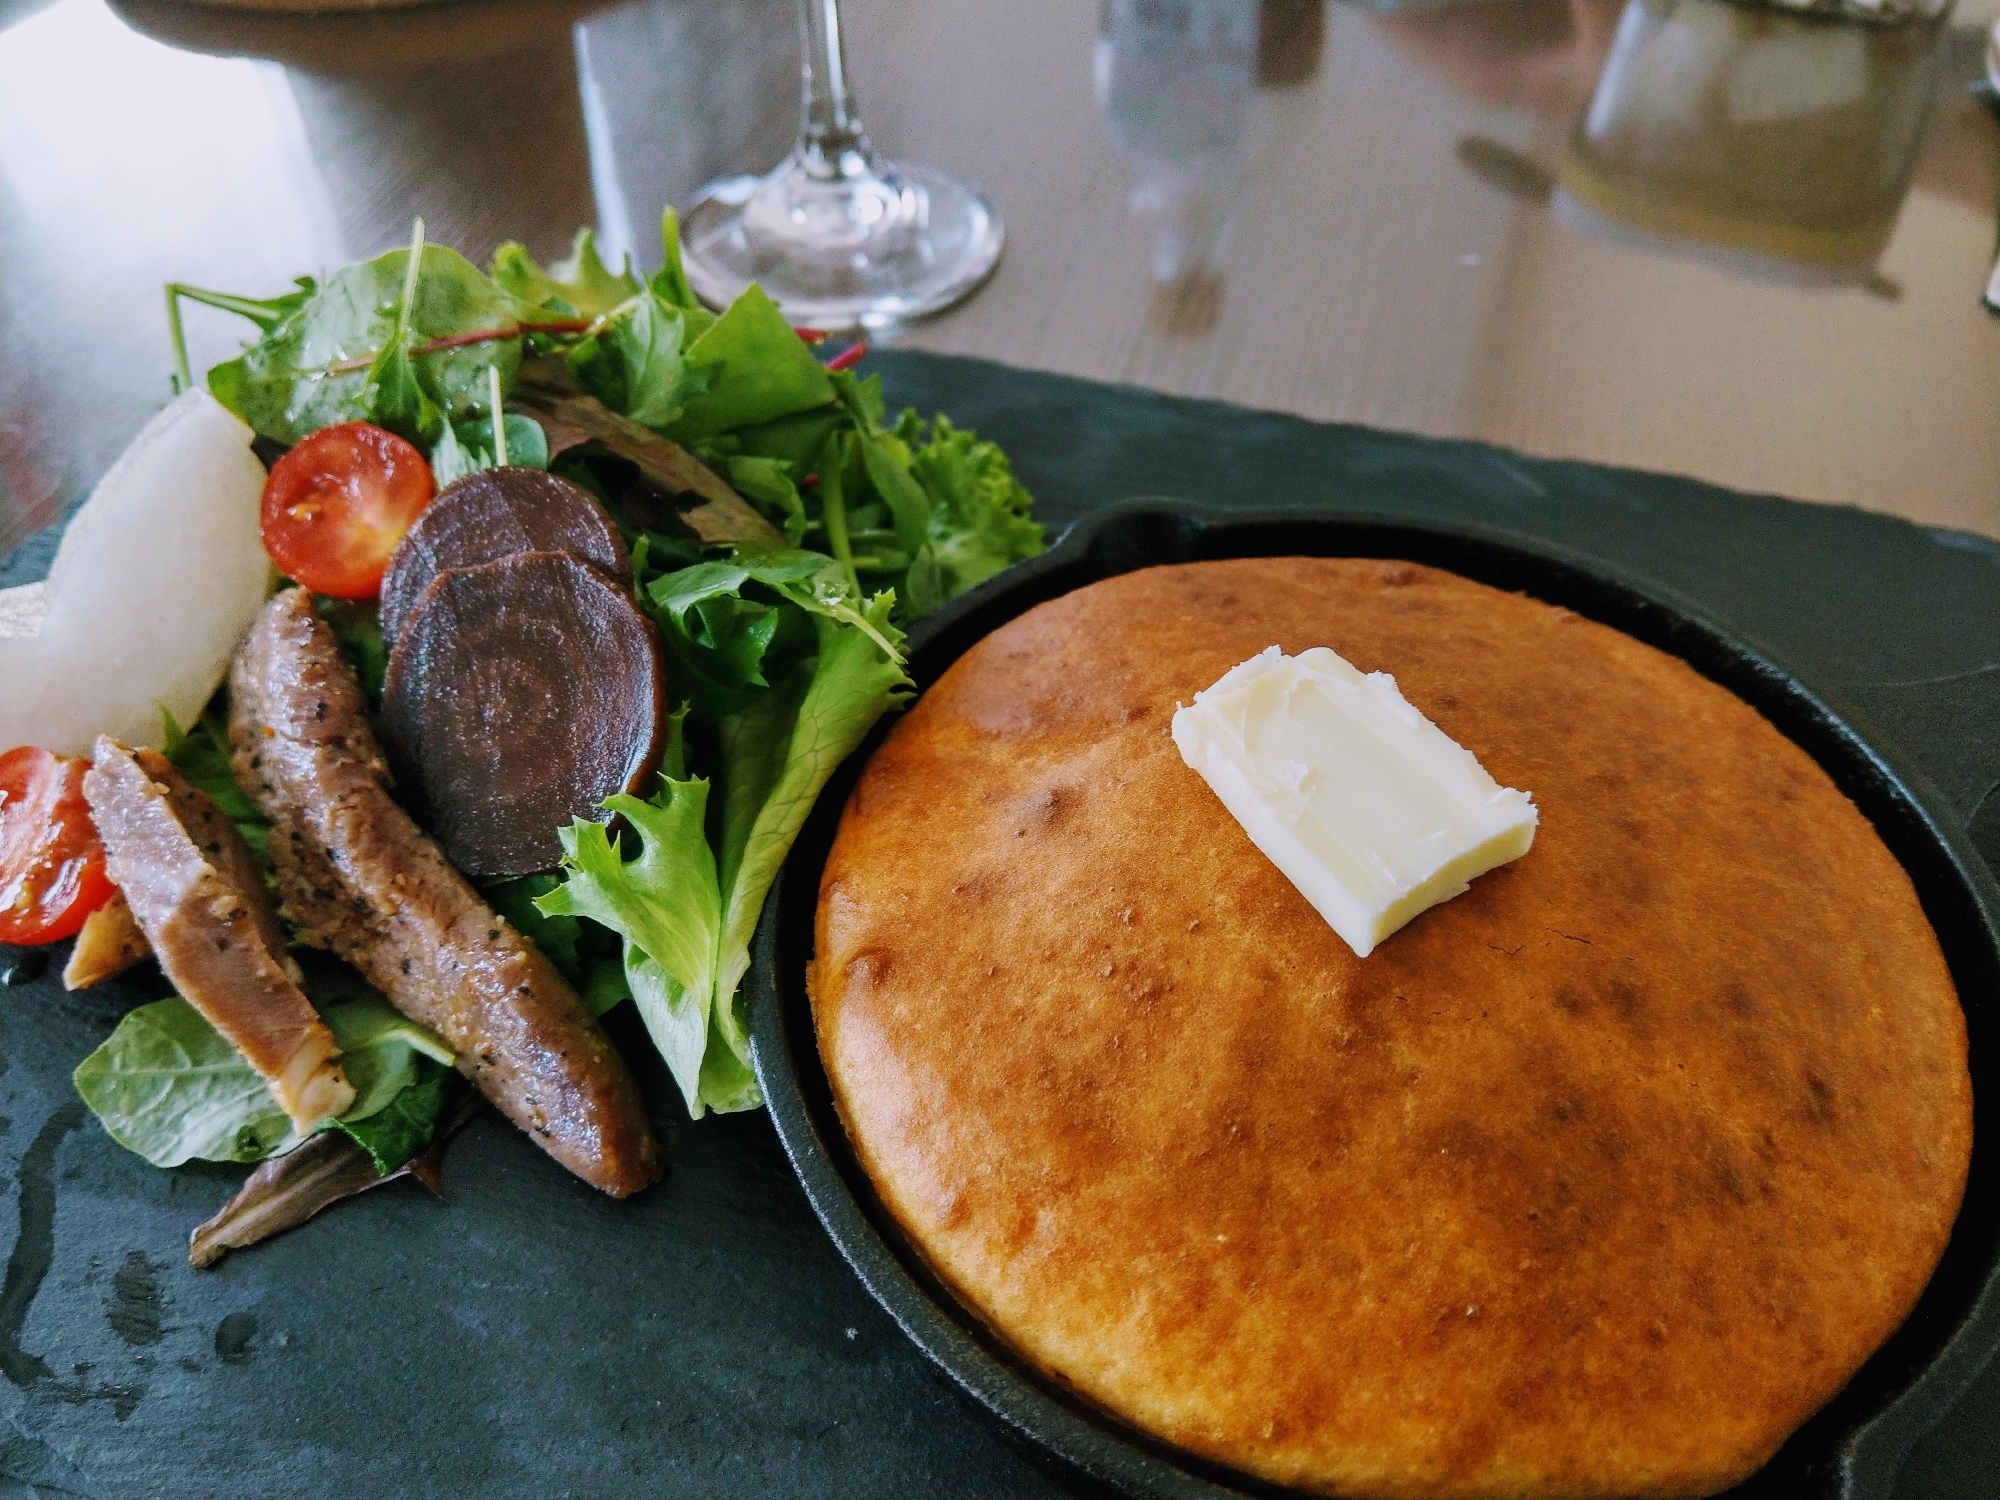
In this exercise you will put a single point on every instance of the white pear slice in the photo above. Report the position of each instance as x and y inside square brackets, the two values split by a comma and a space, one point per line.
[157, 578]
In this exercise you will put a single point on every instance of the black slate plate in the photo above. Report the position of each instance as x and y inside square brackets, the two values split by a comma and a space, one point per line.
[1856, 1445]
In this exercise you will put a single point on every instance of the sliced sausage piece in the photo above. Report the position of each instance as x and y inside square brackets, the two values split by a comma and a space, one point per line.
[198, 896]
[520, 695]
[111, 942]
[489, 514]
[361, 879]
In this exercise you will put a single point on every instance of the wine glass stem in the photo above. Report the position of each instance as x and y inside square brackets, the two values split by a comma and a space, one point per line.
[833, 143]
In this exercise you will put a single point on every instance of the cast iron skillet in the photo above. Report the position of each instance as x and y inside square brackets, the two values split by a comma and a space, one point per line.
[1855, 1446]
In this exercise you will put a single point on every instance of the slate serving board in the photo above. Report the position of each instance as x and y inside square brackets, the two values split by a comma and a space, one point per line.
[533, 1338]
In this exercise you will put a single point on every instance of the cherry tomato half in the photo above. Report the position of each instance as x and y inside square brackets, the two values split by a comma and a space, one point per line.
[337, 504]
[51, 862]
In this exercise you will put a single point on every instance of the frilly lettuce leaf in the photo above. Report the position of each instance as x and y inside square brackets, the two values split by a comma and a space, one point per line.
[667, 907]
[979, 520]
[768, 792]
[686, 918]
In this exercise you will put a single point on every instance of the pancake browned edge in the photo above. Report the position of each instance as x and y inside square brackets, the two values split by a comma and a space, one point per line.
[1597, 1180]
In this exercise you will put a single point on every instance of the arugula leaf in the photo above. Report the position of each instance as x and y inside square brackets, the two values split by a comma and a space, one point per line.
[670, 283]
[665, 905]
[861, 397]
[757, 370]
[768, 482]
[580, 283]
[169, 1086]
[796, 440]
[266, 312]
[319, 364]
[202, 757]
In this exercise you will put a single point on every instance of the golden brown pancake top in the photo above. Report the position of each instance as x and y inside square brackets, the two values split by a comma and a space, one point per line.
[1596, 1180]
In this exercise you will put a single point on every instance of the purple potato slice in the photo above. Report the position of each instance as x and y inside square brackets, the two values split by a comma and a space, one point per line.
[491, 514]
[520, 695]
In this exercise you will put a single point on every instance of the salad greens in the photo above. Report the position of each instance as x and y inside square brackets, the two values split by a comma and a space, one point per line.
[169, 1086]
[781, 602]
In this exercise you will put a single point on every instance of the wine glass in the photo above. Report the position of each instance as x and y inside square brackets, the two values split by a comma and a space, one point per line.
[839, 237]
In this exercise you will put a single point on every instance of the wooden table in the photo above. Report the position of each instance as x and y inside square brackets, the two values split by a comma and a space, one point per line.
[1290, 205]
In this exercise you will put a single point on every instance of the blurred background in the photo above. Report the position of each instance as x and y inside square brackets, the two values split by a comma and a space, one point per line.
[1738, 243]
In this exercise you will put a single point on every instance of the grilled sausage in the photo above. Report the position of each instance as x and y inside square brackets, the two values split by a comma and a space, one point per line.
[359, 878]
[199, 898]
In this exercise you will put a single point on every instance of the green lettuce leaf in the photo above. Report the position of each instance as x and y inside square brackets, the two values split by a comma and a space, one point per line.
[635, 364]
[767, 792]
[580, 283]
[170, 1087]
[556, 936]
[319, 366]
[756, 368]
[666, 906]
[980, 515]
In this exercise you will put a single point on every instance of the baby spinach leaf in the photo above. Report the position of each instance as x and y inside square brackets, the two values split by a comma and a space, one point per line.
[169, 1086]
[466, 447]
[318, 366]
[403, 1126]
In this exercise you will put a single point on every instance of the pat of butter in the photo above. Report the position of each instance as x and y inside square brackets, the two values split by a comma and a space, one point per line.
[1370, 809]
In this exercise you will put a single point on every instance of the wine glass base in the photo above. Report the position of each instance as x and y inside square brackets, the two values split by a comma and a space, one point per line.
[863, 252]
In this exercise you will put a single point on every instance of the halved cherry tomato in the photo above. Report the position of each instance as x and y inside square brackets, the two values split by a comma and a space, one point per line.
[51, 862]
[337, 504]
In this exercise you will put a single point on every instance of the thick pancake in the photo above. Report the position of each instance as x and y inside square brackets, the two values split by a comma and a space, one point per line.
[1597, 1180]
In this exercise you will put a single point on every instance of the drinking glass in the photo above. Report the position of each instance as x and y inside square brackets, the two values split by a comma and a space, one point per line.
[839, 237]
